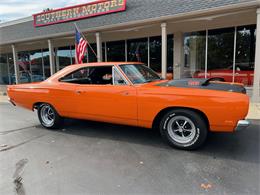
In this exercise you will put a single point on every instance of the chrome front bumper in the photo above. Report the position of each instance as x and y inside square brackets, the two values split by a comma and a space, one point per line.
[242, 124]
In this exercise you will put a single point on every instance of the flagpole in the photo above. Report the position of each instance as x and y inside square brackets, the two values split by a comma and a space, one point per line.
[86, 40]
[76, 57]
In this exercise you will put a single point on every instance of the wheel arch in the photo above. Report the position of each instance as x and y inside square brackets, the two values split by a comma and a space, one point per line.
[156, 120]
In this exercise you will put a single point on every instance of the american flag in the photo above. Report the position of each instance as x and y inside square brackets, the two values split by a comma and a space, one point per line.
[81, 46]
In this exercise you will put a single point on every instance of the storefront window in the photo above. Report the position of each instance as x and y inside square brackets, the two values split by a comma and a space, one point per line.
[170, 47]
[34, 66]
[245, 55]
[11, 69]
[46, 63]
[137, 50]
[194, 53]
[156, 54]
[91, 56]
[104, 52]
[24, 67]
[4, 72]
[116, 51]
[63, 57]
[36, 70]
[220, 53]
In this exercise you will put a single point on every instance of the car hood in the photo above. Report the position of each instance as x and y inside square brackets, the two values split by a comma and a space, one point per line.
[210, 84]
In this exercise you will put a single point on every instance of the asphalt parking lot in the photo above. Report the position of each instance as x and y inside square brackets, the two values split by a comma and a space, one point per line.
[87, 157]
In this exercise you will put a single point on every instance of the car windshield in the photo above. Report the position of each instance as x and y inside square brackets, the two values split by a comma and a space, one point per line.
[139, 73]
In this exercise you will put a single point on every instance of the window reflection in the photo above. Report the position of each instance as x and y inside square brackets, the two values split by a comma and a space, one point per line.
[245, 54]
[137, 50]
[221, 54]
[73, 54]
[63, 57]
[36, 69]
[46, 63]
[24, 67]
[220, 48]
[4, 72]
[11, 68]
[91, 56]
[104, 52]
[156, 54]
[170, 47]
[194, 53]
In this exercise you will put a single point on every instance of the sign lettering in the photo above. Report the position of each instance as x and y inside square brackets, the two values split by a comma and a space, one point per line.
[78, 12]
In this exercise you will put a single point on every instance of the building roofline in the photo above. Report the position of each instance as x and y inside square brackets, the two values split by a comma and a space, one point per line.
[17, 21]
[244, 5]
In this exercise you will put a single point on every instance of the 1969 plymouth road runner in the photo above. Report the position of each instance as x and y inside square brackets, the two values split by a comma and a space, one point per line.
[132, 94]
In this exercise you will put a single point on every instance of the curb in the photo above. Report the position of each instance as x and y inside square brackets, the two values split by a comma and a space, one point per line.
[254, 111]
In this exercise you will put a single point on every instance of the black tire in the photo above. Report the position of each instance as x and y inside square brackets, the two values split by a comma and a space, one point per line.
[52, 124]
[174, 131]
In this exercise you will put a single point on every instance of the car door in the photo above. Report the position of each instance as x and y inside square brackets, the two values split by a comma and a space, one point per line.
[63, 98]
[64, 94]
[115, 102]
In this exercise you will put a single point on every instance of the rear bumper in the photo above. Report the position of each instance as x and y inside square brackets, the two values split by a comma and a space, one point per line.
[242, 124]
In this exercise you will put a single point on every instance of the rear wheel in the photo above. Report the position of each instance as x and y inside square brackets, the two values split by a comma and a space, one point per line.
[48, 116]
[183, 129]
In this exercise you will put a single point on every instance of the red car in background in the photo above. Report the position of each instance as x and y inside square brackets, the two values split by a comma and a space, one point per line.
[245, 76]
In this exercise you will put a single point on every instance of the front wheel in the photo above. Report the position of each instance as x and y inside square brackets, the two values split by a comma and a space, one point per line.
[183, 129]
[48, 116]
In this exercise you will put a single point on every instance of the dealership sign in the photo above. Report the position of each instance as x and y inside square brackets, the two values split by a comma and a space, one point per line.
[78, 12]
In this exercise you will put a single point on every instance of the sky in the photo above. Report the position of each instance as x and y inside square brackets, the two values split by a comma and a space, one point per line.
[15, 9]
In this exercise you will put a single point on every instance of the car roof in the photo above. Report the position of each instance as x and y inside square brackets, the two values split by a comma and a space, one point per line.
[102, 64]
[70, 68]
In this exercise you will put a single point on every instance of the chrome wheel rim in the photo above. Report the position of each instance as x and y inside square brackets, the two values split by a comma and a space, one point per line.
[47, 115]
[181, 129]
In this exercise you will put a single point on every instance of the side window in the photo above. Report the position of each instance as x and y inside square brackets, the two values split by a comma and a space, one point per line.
[118, 79]
[95, 75]
[80, 76]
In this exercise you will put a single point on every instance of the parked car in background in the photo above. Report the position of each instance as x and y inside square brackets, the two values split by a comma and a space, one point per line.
[242, 75]
[27, 77]
[184, 111]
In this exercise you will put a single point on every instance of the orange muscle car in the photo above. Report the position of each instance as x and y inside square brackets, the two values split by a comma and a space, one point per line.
[132, 94]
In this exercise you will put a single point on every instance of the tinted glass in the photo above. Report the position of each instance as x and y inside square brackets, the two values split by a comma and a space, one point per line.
[116, 51]
[101, 75]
